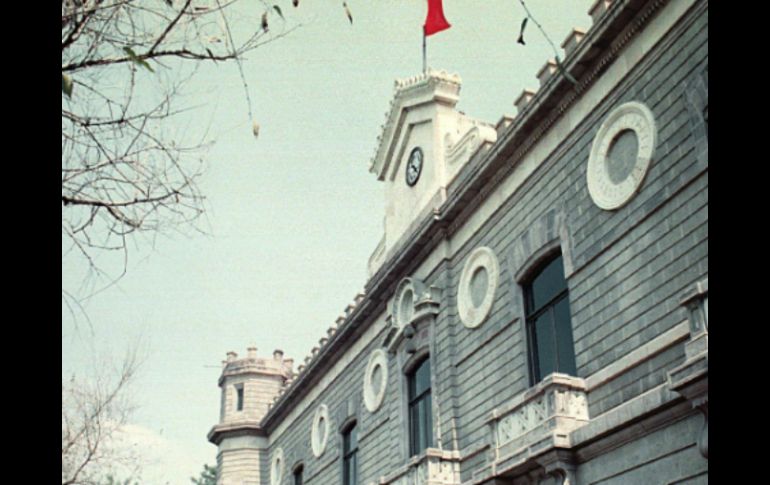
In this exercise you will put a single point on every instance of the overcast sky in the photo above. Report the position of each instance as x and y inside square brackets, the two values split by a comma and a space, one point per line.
[292, 216]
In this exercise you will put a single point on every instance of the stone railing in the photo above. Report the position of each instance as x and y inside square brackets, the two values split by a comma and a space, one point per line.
[538, 420]
[433, 467]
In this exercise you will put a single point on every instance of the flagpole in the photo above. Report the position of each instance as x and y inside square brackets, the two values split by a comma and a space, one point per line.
[424, 59]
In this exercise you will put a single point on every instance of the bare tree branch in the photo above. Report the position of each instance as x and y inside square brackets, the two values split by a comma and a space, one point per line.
[93, 410]
[125, 171]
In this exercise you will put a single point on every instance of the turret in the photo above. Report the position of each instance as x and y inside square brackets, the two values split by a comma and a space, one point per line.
[249, 386]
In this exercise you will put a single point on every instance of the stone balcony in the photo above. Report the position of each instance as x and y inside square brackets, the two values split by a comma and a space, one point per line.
[536, 422]
[433, 467]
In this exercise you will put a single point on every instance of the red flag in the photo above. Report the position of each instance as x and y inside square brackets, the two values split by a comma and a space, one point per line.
[435, 21]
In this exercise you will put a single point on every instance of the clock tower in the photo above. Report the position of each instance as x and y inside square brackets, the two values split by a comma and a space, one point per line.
[424, 143]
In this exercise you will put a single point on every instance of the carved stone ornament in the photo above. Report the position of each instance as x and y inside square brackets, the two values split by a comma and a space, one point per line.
[319, 433]
[375, 380]
[478, 283]
[621, 155]
[431, 467]
[276, 467]
[403, 303]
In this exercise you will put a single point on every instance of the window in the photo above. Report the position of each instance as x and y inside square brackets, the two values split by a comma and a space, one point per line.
[420, 412]
[298, 475]
[239, 390]
[349, 452]
[549, 329]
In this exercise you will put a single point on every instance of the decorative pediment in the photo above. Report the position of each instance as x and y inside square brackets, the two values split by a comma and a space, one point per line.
[424, 144]
[429, 87]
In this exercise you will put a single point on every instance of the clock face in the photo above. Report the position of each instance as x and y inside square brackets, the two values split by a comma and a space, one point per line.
[414, 166]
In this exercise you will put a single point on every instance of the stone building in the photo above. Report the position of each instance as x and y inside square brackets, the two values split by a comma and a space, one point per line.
[537, 309]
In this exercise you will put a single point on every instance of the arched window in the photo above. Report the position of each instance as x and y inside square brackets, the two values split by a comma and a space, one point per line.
[420, 412]
[298, 474]
[549, 327]
[349, 455]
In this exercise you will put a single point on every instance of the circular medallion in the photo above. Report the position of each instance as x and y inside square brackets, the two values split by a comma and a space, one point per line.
[621, 154]
[375, 380]
[276, 467]
[403, 303]
[319, 433]
[414, 166]
[478, 283]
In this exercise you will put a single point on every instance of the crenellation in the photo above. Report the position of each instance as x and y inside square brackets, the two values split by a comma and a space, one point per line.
[597, 10]
[549, 69]
[524, 98]
[572, 40]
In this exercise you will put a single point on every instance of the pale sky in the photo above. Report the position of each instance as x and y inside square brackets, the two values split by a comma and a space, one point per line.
[292, 216]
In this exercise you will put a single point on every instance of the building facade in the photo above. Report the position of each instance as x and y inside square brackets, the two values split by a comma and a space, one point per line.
[537, 310]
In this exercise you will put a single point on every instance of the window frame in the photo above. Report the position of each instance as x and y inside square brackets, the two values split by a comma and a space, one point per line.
[349, 455]
[298, 472]
[532, 314]
[424, 424]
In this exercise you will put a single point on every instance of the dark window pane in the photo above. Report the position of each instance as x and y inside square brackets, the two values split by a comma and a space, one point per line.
[420, 415]
[564, 344]
[544, 345]
[547, 284]
[350, 451]
[298, 477]
[351, 440]
[240, 398]
[414, 420]
[549, 326]
[428, 426]
[422, 378]
[352, 472]
[423, 432]
[421, 425]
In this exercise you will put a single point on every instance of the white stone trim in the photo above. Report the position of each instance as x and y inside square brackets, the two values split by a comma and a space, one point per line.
[472, 316]
[276, 467]
[431, 466]
[318, 440]
[556, 405]
[634, 116]
[373, 398]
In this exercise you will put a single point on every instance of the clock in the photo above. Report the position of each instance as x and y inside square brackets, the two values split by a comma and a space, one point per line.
[414, 166]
